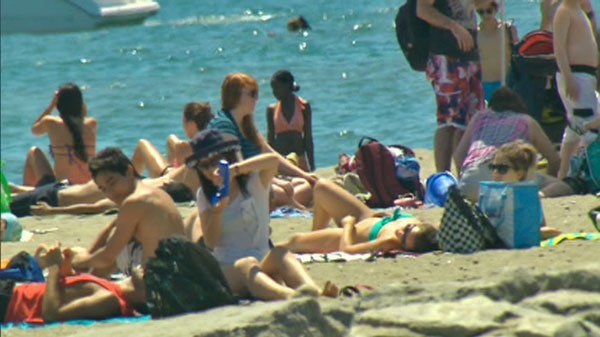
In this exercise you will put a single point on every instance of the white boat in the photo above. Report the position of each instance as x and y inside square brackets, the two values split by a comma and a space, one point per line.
[54, 16]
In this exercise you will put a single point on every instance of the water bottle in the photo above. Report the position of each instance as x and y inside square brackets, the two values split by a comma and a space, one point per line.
[223, 190]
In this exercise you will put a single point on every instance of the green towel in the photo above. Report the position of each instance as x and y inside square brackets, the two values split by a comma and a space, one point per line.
[570, 236]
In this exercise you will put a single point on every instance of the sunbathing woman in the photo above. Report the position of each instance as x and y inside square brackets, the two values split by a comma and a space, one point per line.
[289, 121]
[236, 227]
[196, 116]
[362, 230]
[72, 140]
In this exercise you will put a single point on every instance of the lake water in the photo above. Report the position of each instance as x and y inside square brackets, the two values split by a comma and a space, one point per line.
[137, 79]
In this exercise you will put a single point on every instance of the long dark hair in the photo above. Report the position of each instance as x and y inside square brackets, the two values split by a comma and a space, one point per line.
[70, 108]
[209, 189]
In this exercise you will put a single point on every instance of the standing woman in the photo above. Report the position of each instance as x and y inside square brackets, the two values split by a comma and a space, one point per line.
[289, 121]
[72, 140]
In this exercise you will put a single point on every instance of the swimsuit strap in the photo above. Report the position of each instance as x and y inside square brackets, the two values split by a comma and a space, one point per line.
[385, 220]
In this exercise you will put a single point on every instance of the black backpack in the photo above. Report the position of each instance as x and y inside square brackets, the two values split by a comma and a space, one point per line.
[184, 277]
[413, 35]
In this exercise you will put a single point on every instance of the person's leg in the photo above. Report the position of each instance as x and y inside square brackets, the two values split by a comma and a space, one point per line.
[192, 226]
[37, 165]
[443, 147]
[333, 202]
[147, 156]
[303, 191]
[282, 266]
[257, 282]
[568, 149]
[321, 241]
[172, 142]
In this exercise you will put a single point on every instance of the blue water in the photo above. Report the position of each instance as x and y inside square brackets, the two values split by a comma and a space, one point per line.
[138, 78]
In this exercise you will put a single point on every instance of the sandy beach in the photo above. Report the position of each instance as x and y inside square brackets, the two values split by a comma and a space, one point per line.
[568, 214]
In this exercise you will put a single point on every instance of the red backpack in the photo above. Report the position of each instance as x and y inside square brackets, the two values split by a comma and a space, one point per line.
[375, 165]
[536, 52]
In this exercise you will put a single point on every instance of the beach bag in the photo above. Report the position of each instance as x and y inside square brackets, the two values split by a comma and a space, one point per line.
[536, 52]
[22, 268]
[412, 34]
[515, 211]
[184, 277]
[464, 228]
[592, 155]
[376, 167]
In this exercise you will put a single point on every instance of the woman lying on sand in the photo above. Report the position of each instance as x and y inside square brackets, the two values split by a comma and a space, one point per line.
[361, 230]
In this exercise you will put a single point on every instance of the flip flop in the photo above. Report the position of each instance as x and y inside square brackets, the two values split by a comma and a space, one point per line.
[355, 290]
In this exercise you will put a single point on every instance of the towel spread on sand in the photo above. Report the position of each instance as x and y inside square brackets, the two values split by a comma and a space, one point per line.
[84, 322]
[345, 257]
[288, 212]
[570, 236]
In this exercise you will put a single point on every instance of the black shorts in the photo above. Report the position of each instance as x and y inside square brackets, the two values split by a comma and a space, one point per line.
[579, 185]
[47, 193]
[6, 291]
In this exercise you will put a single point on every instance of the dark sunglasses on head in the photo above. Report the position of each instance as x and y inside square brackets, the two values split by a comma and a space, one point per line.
[485, 11]
[500, 168]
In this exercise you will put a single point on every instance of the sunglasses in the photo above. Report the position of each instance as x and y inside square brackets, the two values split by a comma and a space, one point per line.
[252, 93]
[500, 168]
[489, 11]
[407, 231]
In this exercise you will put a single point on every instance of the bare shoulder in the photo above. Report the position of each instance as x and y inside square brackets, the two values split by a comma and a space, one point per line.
[91, 122]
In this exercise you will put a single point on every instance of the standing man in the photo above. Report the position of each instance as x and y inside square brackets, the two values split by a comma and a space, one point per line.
[454, 70]
[576, 55]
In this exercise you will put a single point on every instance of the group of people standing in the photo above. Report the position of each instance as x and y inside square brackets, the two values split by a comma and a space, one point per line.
[466, 65]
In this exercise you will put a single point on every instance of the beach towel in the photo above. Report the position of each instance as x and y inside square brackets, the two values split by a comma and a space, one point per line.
[82, 322]
[570, 236]
[345, 257]
[288, 212]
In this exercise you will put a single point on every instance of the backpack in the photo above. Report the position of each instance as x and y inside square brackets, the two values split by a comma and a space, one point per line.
[22, 268]
[412, 34]
[184, 277]
[376, 167]
[536, 51]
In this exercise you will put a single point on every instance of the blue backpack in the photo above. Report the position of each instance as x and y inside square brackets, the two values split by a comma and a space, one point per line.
[22, 268]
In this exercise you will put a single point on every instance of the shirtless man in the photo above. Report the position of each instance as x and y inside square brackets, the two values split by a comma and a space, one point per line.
[65, 296]
[576, 55]
[548, 9]
[58, 198]
[146, 215]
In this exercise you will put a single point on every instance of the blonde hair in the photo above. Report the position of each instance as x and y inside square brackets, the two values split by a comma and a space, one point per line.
[231, 89]
[520, 156]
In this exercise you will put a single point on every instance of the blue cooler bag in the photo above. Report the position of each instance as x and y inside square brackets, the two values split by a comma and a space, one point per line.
[515, 211]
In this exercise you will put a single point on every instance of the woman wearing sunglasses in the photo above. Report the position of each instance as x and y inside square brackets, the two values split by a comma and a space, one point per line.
[491, 34]
[235, 226]
[360, 230]
[505, 121]
[514, 162]
[239, 94]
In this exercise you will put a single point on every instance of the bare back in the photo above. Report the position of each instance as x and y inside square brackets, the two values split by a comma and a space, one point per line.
[66, 164]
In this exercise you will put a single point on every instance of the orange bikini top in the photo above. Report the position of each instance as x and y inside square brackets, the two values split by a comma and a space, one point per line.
[296, 124]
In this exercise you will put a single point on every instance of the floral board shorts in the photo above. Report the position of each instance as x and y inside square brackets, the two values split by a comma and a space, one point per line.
[458, 89]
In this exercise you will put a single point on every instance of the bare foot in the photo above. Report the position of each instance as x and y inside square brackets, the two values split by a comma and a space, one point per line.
[330, 290]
